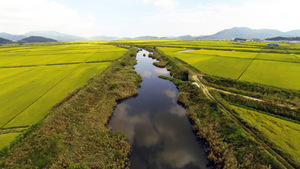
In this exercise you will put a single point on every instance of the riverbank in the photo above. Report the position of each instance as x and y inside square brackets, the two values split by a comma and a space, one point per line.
[230, 145]
[75, 133]
[156, 125]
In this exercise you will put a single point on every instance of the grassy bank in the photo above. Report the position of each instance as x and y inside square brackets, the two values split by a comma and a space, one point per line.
[75, 132]
[229, 145]
[270, 93]
[276, 130]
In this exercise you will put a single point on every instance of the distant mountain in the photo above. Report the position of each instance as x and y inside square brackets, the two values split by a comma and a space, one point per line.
[11, 37]
[293, 33]
[5, 41]
[185, 37]
[103, 38]
[147, 37]
[247, 33]
[279, 38]
[36, 39]
[55, 35]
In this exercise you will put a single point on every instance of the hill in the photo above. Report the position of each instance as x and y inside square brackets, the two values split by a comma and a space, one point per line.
[4, 41]
[55, 35]
[103, 38]
[36, 39]
[11, 37]
[279, 38]
[247, 33]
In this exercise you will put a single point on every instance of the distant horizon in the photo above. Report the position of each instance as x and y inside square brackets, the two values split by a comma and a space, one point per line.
[141, 35]
[133, 18]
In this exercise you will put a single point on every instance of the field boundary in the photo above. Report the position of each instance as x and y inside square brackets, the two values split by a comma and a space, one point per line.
[55, 64]
[13, 129]
[281, 159]
[258, 52]
[3, 126]
[248, 66]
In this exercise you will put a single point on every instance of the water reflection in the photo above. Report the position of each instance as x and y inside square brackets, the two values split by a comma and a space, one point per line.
[161, 71]
[156, 126]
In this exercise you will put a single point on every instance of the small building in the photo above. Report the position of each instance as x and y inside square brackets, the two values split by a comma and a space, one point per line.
[272, 44]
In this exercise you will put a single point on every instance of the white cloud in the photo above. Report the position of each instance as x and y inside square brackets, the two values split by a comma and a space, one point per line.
[146, 17]
[210, 18]
[166, 4]
[42, 15]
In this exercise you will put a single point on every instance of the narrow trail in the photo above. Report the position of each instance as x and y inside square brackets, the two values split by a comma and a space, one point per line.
[13, 129]
[281, 159]
[227, 92]
[250, 98]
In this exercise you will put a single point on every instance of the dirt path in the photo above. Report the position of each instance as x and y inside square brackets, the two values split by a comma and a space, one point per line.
[205, 90]
[227, 92]
[13, 130]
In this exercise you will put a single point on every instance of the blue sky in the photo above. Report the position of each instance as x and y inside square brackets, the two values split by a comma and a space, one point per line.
[130, 18]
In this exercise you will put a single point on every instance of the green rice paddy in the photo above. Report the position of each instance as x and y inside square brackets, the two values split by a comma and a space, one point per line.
[281, 132]
[5, 139]
[35, 78]
[275, 67]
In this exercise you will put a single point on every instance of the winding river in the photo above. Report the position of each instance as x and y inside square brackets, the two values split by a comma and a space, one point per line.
[156, 126]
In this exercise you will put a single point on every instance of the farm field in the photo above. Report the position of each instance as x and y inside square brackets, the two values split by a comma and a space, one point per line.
[28, 92]
[57, 54]
[5, 139]
[280, 74]
[281, 132]
[273, 67]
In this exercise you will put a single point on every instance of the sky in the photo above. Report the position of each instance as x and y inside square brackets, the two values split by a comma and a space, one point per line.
[132, 18]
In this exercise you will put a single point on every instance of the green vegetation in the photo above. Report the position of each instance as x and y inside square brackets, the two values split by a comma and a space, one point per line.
[276, 130]
[274, 109]
[29, 92]
[39, 55]
[241, 132]
[36, 77]
[232, 140]
[229, 145]
[271, 94]
[74, 134]
[5, 139]
[240, 65]
[250, 61]
[280, 74]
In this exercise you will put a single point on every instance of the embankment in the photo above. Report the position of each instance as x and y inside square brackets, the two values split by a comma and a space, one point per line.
[75, 133]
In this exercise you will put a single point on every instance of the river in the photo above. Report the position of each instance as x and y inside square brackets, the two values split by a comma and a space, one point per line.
[157, 127]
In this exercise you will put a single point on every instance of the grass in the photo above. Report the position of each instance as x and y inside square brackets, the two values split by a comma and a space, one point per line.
[246, 141]
[55, 54]
[5, 139]
[281, 132]
[278, 57]
[229, 146]
[27, 93]
[66, 84]
[230, 67]
[225, 53]
[275, 69]
[75, 134]
[279, 74]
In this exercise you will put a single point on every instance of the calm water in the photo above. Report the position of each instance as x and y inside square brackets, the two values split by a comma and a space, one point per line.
[156, 126]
